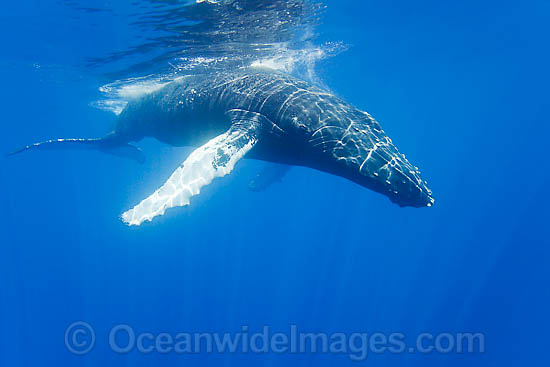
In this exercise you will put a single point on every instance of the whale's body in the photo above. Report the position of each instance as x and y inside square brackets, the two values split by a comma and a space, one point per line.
[269, 116]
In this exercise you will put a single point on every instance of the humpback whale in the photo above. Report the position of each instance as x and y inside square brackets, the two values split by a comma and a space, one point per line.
[260, 114]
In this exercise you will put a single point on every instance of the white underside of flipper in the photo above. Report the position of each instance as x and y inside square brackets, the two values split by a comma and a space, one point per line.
[216, 158]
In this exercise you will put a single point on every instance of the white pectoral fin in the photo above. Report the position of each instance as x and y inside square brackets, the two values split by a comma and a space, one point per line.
[214, 159]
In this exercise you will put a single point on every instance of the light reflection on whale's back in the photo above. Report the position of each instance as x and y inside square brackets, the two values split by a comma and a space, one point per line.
[191, 37]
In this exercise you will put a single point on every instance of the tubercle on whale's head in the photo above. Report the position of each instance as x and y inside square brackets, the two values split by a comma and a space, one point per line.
[418, 197]
[403, 191]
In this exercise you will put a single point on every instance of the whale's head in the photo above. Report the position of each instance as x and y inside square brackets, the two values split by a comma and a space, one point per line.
[361, 152]
[391, 174]
[388, 172]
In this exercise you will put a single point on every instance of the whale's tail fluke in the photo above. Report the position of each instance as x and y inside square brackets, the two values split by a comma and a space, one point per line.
[108, 144]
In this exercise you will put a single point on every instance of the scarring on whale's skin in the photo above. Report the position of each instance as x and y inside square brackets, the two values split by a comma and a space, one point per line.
[305, 126]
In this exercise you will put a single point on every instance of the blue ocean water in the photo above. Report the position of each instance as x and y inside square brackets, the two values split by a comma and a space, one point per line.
[461, 88]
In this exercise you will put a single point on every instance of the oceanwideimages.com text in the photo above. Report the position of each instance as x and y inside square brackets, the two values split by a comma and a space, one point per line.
[80, 339]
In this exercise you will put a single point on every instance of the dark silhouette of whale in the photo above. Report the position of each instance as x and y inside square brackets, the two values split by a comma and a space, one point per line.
[266, 115]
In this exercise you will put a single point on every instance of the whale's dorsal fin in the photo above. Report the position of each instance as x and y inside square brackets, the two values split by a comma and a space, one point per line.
[214, 159]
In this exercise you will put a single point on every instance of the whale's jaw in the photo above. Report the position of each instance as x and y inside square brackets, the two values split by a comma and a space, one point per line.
[394, 178]
[388, 172]
[360, 151]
